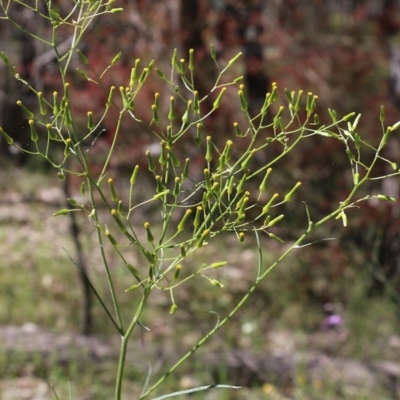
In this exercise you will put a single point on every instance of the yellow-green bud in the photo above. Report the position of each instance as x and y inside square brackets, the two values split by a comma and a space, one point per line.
[217, 102]
[177, 187]
[6, 137]
[191, 60]
[171, 113]
[272, 236]
[196, 222]
[267, 207]
[42, 105]
[121, 226]
[28, 113]
[291, 193]
[90, 123]
[152, 166]
[237, 130]
[182, 223]
[134, 175]
[177, 271]
[243, 102]
[114, 195]
[111, 238]
[110, 96]
[234, 59]
[150, 236]
[209, 149]
[274, 221]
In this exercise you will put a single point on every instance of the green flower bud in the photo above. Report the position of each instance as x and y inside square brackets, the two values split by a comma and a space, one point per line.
[209, 149]
[156, 118]
[218, 264]
[134, 73]
[274, 221]
[216, 283]
[240, 186]
[203, 236]
[177, 187]
[173, 309]
[83, 58]
[246, 161]
[143, 75]
[185, 171]
[238, 132]
[174, 158]
[382, 114]
[111, 238]
[159, 195]
[296, 106]
[263, 185]
[64, 211]
[197, 140]
[110, 96]
[174, 60]
[291, 193]
[150, 236]
[385, 197]
[213, 53]
[185, 117]
[160, 73]
[182, 223]
[196, 103]
[241, 237]
[217, 102]
[133, 271]
[121, 226]
[267, 207]
[356, 178]
[90, 123]
[56, 110]
[191, 60]
[82, 73]
[181, 66]
[207, 178]
[42, 105]
[346, 117]
[116, 58]
[332, 113]
[61, 175]
[171, 114]
[151, 257]
[152, 166]
[68, 145]
[267, 103]
[272, 236]
[28, 113]
[243, 102]
[134, 175]
[177, 271]
[234, 59]
[114, 195]
[83, 189]
[160, 187]
[7, 138]
[132, 288]
[196, 222]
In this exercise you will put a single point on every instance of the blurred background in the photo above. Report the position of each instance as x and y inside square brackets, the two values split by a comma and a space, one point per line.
[338, 298]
